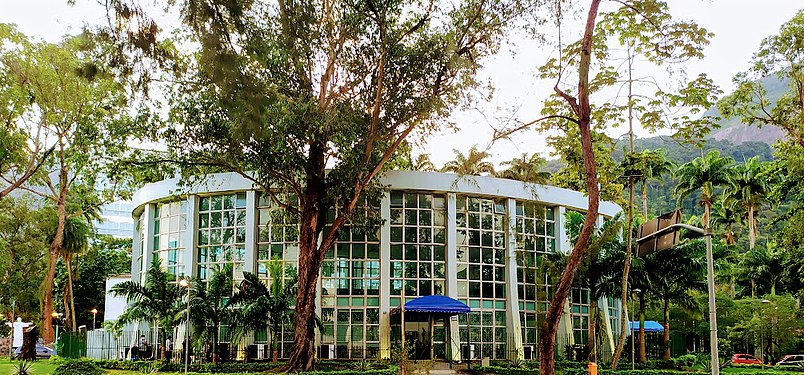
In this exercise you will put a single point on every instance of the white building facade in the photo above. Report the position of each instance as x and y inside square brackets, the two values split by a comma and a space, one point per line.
[476, 239]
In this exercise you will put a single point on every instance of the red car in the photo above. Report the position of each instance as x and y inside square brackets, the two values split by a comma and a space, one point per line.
[745, 359]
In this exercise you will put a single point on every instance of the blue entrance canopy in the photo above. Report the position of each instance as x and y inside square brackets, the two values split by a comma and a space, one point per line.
[437, 304]
[650, 326]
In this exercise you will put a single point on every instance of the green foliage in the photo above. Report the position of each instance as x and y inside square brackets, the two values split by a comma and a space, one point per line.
[262, 306]
[23, 244]
[157, 300]
[79, 367]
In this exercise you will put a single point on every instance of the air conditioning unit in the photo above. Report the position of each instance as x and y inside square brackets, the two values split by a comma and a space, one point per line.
[468, 351]
[529, 352]
[326, 351]
[261, 351]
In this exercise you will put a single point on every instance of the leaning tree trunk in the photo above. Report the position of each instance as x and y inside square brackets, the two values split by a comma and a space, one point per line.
[581, 107]
[645, 199]
[48, 334]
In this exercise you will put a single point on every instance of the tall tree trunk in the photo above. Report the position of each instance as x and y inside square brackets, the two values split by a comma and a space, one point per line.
[752, 228]
[666, 336]
[48, 334]
[643, 354]
[68, 262]
[547, 340]
[312, 221]
[753, 288]
[275, 344]
[65, 304]
[618, 351]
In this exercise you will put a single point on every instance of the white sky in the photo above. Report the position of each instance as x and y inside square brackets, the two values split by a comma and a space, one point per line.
[738, 25]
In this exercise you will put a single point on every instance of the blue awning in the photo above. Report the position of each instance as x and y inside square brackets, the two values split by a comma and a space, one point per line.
[437, 304]
[650, 326]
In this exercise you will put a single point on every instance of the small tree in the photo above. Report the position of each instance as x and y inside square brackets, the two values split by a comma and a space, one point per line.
[211, 307]
[262, 306]
[158, 301]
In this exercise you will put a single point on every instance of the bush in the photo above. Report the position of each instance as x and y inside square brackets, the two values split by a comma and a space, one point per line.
[81, 367]
[323, 367]
[684, 361]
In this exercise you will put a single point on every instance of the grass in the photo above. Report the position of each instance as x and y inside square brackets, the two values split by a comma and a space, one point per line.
[40, 367]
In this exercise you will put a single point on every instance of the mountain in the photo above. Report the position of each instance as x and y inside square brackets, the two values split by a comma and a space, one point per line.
[735, 131]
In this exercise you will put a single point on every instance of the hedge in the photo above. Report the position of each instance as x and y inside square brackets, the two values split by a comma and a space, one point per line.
[77, 367]
[326, 367]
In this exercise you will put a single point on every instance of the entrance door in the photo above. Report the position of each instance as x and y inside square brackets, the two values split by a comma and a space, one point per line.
[418, 336]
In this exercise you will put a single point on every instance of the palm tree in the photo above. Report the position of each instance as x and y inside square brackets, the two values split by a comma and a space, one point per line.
[262, 306]
[76, 241]
[423, 164]
[211, 307]
[754, 267]
[725, 215]
[749, 186]
[158, 300]
[601, 267]
[706, 174]
[654, 166]
[474, 163]
[526, 169]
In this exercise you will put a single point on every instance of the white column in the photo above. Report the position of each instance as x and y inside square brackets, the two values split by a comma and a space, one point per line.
[148, 241]
[190, 237]
[454, 349]
[563, 242]
[136, 249]
[250, 263]
[385, 277]
[512, 323]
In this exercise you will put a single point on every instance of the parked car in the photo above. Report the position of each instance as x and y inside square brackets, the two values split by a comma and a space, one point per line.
[42, 351]
[791, 360]
[745, 359]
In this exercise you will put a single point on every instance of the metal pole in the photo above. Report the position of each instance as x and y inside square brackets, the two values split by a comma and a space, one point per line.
[187, 336]
[710, 278]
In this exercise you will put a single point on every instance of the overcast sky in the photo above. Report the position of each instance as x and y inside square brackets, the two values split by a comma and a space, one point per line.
[738, 25]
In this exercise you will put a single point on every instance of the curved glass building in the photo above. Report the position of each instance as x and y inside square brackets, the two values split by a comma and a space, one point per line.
[476, 239]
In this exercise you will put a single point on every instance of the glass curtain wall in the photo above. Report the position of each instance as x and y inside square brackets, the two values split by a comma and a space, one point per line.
[350, 293]
[170, 224]
[481, 273]
[535, 237]
[277, 238]
[221, 233]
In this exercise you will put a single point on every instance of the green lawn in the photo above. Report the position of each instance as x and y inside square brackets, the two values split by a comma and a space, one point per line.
[40, 367]
[45, 367]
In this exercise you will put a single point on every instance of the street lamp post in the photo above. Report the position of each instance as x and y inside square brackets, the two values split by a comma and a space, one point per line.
[710, 280]
[186, 284]
[94, 312]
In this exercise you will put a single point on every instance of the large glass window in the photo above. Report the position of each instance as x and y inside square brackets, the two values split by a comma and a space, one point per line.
[535, 236]
[481, 273]
[350, 280]
[141, 256]
[221, 233]
[418, 245]
[170, 224]
[277, 236]
[580, 314]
